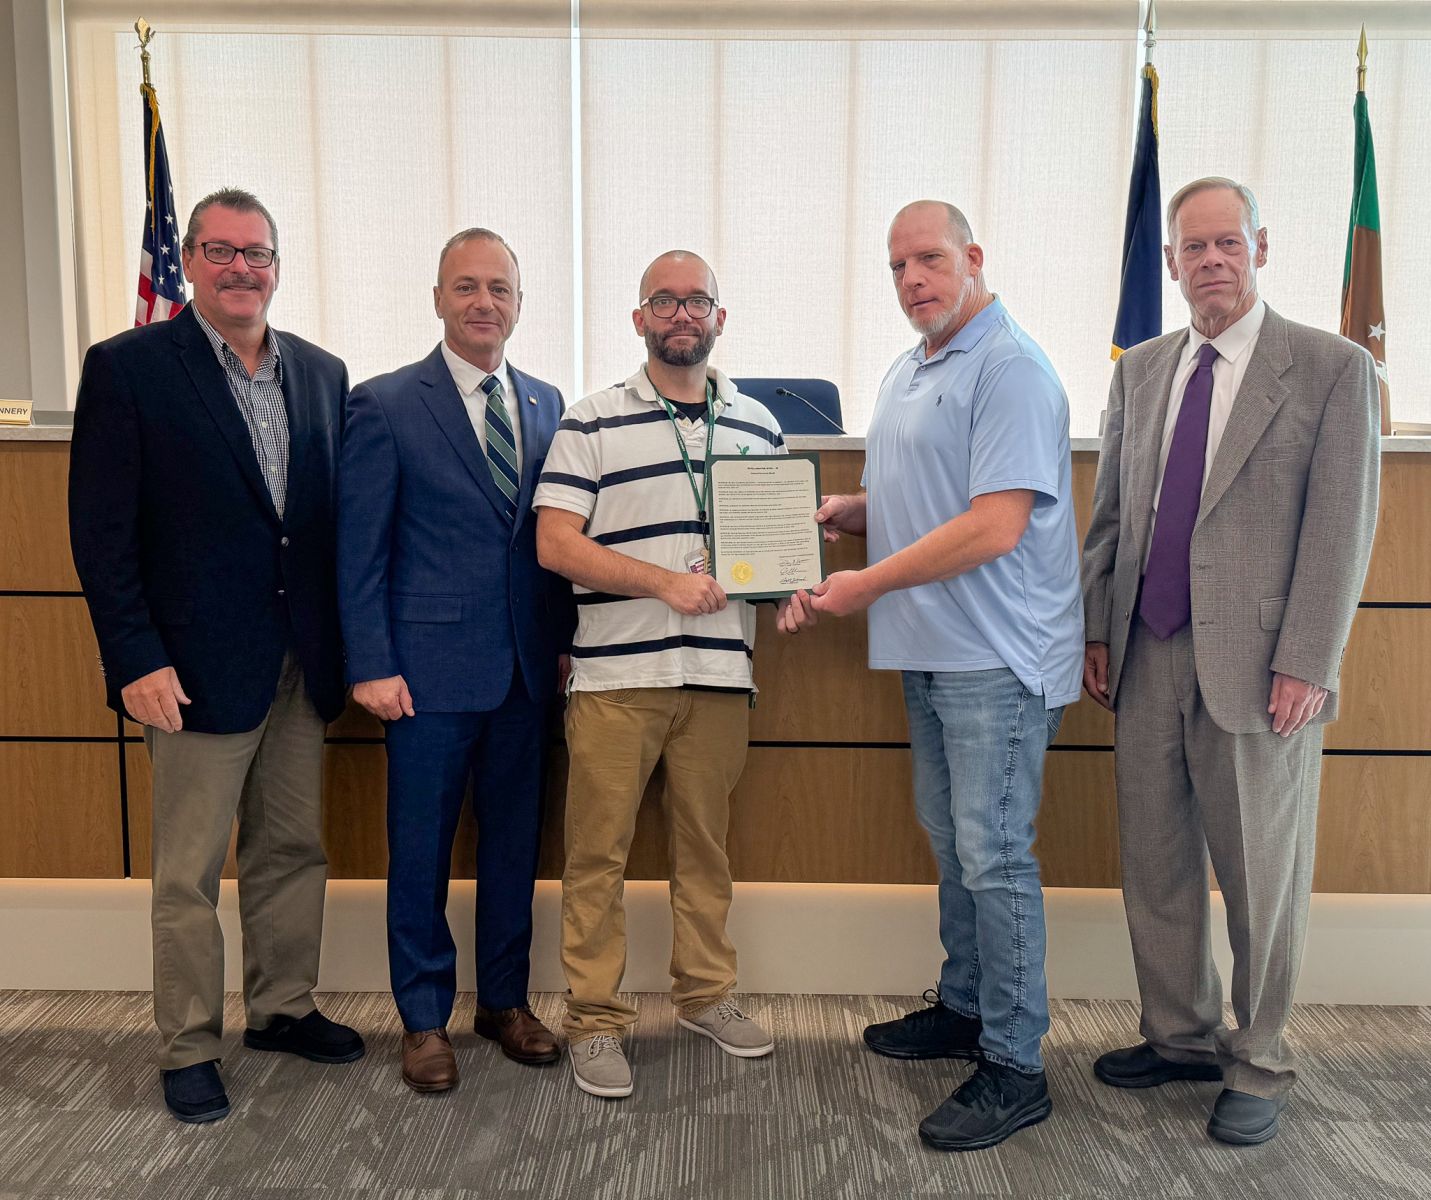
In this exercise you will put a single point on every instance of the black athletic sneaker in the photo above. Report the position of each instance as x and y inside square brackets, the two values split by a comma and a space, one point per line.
[994, 1102]
[934, 1032]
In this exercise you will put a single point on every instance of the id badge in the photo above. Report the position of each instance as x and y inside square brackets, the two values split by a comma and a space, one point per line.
[698, 562]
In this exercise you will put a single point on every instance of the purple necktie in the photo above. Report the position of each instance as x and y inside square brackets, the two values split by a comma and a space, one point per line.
[1166, 605]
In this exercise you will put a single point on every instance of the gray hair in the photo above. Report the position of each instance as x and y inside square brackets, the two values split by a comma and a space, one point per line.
[1208, 183]
[232, 198]
[477, 234]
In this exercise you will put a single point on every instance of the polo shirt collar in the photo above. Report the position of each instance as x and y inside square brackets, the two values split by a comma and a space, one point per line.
[641, 384]
[968, 337]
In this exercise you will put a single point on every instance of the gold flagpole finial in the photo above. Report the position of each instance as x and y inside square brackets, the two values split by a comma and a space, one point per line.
[146, 33]
[1150, 33]
[1361, 60]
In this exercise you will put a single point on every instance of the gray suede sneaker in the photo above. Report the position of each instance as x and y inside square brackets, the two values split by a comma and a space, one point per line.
[599, 1066]
[730, 1029]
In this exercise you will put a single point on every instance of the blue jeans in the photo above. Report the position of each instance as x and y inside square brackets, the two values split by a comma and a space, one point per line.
[978, 740]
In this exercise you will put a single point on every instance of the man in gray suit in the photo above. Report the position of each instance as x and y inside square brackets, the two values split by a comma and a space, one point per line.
[1232, 524]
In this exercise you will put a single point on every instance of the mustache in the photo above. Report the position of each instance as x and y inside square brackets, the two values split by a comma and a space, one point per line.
[239, 282]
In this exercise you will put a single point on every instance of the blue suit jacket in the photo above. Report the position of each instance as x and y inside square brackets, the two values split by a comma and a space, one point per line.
[434, 584]
[184, 560]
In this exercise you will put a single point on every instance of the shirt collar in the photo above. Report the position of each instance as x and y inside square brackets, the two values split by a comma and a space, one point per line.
[641, 384]
[226, 356]
[468, 376]
[1233, 341]
[969, 336]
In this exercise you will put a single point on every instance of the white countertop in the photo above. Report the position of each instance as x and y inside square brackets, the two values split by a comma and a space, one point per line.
[61, 433]
[799, 442]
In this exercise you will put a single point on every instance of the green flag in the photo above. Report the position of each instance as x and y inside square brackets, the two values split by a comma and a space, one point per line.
[1363, 318]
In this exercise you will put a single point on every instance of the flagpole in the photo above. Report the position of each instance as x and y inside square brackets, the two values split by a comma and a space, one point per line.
[1361, 61]
[1150, 33]
[146, 32]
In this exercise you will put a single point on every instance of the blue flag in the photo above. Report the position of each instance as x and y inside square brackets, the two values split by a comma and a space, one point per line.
[1140, 298]
[161, 275]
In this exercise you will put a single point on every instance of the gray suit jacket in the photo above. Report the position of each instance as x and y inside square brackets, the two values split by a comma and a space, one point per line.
[1283, 536]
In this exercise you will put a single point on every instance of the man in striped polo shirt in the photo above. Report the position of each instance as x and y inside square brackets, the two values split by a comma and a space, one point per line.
[661, 667]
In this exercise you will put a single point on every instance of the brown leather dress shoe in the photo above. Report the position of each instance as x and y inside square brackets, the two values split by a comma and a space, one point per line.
[522, 1037]
[428, 1064]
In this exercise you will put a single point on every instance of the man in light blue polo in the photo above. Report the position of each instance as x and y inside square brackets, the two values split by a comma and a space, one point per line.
[973, 595]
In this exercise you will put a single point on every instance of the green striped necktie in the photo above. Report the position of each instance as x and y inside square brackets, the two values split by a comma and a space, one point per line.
[501, 446]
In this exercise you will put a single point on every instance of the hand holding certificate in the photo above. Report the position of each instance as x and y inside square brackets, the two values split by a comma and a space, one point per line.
[765, 543]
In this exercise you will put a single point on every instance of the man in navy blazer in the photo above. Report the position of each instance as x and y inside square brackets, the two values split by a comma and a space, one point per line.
[202, 526]
[454, 635]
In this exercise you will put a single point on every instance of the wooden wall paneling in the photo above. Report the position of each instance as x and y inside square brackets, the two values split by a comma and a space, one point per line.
[1374, 825]
[828, 816]
[356, 721]
[34, 518]
[1385, 701]
[60, 815]
[1400, 569]
[49, 661]
[1077, 842]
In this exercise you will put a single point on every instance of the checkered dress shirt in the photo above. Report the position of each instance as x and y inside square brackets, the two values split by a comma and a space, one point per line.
[260, 399]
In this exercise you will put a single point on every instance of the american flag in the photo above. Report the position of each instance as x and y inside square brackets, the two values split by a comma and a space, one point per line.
[161, 276]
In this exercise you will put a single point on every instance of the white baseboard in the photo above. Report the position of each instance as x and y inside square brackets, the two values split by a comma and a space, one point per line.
[801, 938]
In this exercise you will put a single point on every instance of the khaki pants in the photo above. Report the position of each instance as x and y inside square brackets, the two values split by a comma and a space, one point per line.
[615, 740]
[271, 780]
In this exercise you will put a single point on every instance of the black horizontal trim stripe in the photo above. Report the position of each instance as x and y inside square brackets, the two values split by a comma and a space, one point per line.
[616, 422]
[640, 533]
[575, 481]
[656, 645]
[672, 466]
[602, 598]
[78, 739]
[1395, 604]
[766, 435]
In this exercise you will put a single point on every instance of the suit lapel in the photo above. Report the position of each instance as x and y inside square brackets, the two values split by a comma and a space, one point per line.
[1143, 419]
[528, 412]
[1253, 408]
[209, 382]
[300, 418]
[440, 395]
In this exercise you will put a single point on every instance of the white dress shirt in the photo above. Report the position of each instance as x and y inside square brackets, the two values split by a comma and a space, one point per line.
[1234, 347]
[469, 380]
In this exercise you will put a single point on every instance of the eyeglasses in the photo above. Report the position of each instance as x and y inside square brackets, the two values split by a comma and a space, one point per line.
[697, 307]
[222, 253]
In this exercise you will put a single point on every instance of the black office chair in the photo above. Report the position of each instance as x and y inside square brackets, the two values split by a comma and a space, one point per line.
[804, 406]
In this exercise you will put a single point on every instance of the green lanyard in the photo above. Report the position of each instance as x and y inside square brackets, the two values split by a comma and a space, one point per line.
[702, 494]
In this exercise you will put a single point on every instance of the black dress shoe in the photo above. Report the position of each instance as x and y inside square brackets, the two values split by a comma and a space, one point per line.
[994, 1102]
[1244, 1120]
[934, 1032]
[1143, 1067]
[313, 1037]
[196, 1094]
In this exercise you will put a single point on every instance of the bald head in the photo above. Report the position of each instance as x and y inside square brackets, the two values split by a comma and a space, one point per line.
[956, 223]
[682, 262]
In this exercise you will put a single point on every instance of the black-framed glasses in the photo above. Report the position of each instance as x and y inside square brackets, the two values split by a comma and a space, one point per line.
[256, 256]
[697, 307]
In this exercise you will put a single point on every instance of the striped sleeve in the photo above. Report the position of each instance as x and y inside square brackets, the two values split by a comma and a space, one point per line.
[572, 474]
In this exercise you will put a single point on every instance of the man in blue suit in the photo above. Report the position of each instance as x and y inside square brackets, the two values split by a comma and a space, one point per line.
[454, 635]
[202, 525]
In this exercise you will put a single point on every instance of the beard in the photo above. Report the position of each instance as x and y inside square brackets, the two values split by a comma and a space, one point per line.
[934, 324]
[656, 343]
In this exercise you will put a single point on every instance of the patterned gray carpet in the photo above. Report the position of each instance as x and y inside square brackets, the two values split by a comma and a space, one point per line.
[81, 1115]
